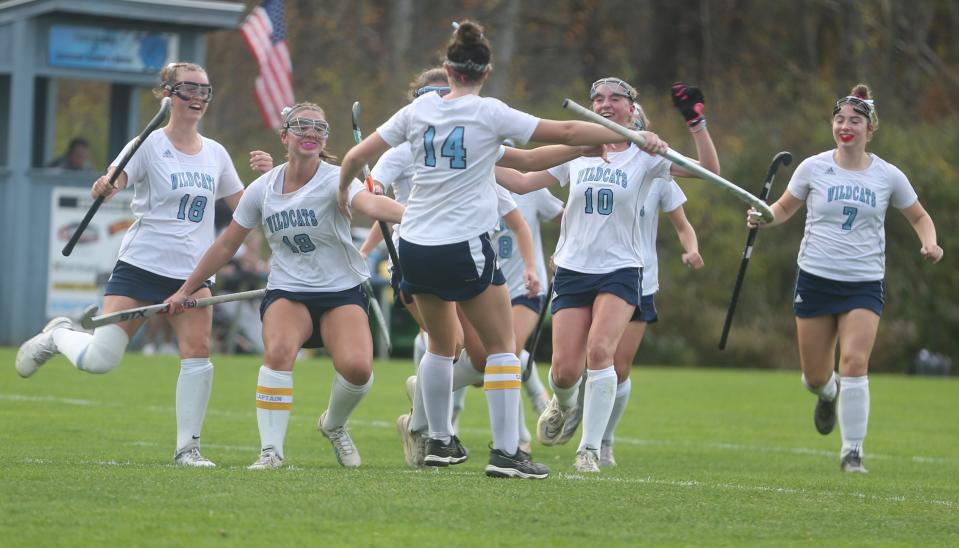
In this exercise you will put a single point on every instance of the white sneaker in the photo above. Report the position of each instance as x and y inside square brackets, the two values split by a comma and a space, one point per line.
[343, 447]
[586, 461]
[606, 458]
[149, 349]
[411, 387]
[573, 417]
[549, 427]
[40, 348]
[269, 459]
[414, 443]
[192, 457]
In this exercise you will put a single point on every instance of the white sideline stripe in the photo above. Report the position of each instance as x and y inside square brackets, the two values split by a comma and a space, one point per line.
[736, 447]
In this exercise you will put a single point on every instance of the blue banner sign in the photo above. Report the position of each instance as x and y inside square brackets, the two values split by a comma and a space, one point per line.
[110, 49]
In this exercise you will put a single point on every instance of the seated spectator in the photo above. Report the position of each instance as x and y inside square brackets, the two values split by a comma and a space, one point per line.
[76, 157]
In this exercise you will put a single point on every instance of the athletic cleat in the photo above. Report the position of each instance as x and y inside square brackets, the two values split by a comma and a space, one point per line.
[587, 460]
[549, 427]
[606, 459]
[824, 416]
[519, 465]
[269, 459]
[40, 348]
[444, 454]
[192, 457]
[852, 462]
[414, 443]
[411, 387]
[343, 446]
[573, 417]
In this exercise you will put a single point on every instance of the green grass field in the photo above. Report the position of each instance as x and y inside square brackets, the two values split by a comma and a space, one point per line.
[706, 457]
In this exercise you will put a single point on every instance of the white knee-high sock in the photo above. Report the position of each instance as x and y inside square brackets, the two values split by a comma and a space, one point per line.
[828, 391]
[597, 406]
[533, 385]
[418, 413]
[464, 373]
[524, 434]
[193, 388]
[274, 399]
[853, 412]
[97, 353]
[502, 382]
[419, 348]
[344, 397]
[436, 382]
[619, 406]
[565, 396]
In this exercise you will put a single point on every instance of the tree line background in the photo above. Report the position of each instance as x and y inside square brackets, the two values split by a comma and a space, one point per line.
[770, 71]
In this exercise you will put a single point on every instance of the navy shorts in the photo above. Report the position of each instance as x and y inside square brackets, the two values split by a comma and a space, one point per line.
[452, 272]
[317, 304]
[646, 311]
[134, 282]
[399, 295]
[535, 303]
[575, 289]
[817, 296]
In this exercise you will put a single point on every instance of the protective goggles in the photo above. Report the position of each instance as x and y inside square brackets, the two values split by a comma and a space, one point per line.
[301, 126]
[442, 90]
[625, 90]
[189, 91]
[866, 107]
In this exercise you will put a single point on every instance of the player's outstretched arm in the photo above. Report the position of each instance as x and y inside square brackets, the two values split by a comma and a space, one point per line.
[220, 253]
[379, 207]
[523, 183]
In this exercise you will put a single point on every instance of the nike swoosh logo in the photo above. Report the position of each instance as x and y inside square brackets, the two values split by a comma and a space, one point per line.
[196, 437]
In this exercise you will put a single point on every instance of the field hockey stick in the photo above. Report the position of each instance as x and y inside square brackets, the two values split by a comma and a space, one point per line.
[785, 159]
[378, 316]
[152, 125]
[89, 320]
[676, 158]
[534, 342]
[387, 234]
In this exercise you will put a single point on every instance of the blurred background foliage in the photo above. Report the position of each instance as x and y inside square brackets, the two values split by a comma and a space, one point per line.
[770, 72]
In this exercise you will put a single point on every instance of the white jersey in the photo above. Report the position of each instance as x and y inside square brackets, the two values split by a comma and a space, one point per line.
[308, 235]
[535, 207]
[395, 169]
[845, 236]
[664, 195]
[601, 225]
[455, 145]
[173, 196]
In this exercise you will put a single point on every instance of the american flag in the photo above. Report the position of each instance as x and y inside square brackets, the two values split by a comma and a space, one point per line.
[265, 33]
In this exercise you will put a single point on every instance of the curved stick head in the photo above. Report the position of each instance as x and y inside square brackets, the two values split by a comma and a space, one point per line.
[784, 158]
[356, 114]
[86, 320]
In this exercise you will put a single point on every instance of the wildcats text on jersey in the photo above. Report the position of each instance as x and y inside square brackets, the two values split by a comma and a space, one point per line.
[602, 174]
[849, 192]
[192, 179]
[292, 217]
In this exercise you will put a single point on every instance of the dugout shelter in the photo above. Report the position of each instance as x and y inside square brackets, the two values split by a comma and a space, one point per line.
[116, 46]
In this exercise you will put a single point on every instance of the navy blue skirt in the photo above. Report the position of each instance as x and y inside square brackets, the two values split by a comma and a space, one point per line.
[134, 282]
[452, 272]
[817, 296]
[575, 289]
[317, 304]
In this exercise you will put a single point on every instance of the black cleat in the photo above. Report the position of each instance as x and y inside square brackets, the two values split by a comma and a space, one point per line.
[825, 415]
[519, 465]
[852, 462]
[440, 454]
